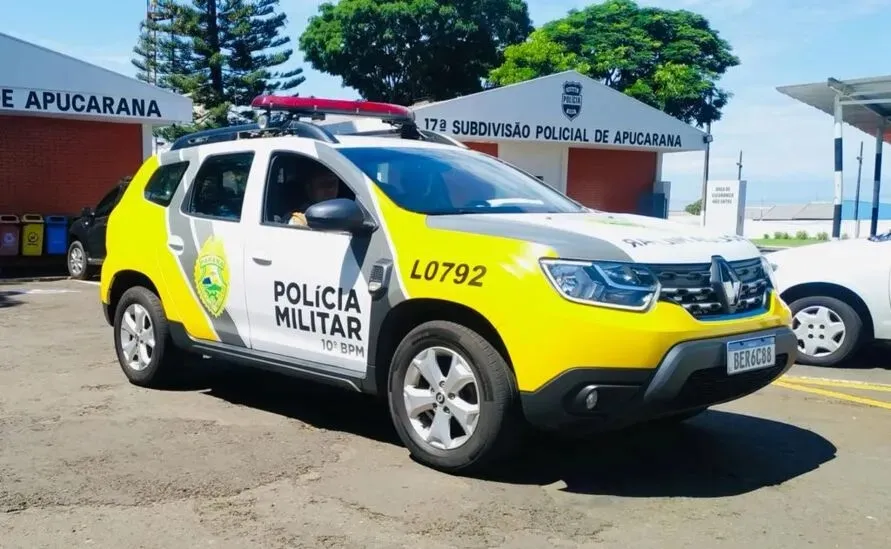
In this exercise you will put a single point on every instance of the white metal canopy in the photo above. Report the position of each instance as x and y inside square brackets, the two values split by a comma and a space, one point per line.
[864, 103]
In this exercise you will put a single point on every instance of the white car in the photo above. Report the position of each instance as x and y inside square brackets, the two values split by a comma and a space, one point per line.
[840, 295]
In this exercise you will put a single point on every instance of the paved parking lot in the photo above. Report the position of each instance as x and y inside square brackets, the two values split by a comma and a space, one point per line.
[244, 459]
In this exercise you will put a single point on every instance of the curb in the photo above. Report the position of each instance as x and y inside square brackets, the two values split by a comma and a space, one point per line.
[23, 279]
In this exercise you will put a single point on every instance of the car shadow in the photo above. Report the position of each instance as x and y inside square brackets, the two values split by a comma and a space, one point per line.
[316, 404]
[716, 454]
[8, 299]
[875, 356]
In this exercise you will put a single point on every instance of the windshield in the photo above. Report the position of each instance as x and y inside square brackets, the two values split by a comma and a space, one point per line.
[445, 181]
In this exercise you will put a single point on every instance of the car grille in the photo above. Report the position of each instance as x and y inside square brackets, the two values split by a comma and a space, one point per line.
[688, 286]
[714, 385]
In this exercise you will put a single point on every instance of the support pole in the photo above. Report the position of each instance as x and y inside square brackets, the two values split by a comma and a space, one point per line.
[857, 193]
[877, 180]
[837, 201]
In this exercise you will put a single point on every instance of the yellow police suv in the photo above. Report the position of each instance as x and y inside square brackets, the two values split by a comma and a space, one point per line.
[474, 297]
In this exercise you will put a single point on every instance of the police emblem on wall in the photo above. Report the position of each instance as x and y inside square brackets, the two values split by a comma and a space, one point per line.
[572, 99]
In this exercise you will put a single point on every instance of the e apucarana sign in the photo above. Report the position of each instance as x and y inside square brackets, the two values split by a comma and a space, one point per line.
[564, 108]
[65, 102]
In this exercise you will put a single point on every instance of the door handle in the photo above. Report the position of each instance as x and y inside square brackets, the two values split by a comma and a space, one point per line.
[176, 244]
[260, 260]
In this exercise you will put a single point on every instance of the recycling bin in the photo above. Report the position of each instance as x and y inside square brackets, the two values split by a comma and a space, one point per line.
[56, 234]
[32, 234]
[9, 234]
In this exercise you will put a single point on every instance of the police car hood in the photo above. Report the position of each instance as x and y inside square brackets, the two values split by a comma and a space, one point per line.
[599, 235]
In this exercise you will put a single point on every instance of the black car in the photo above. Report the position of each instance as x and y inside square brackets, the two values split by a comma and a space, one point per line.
[86, 236]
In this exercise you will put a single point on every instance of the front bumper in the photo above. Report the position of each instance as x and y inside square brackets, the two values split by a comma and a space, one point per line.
[692, 375]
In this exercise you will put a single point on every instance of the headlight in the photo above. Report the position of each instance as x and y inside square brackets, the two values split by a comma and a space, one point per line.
[607, 284]
[769, 268]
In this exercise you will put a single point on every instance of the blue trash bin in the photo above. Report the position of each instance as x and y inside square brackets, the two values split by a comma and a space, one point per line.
[56, 234]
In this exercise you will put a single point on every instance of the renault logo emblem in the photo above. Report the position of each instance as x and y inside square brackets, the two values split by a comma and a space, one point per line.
[725, 283]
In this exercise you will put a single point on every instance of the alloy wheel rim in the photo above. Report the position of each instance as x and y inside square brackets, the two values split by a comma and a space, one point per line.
[441, 395]
[137, 337]
[820, 331]
[76, 261]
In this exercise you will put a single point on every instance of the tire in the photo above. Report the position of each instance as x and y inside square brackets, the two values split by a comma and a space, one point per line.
[78, 270]
[164, 358]
[499, 422]
[808, 330]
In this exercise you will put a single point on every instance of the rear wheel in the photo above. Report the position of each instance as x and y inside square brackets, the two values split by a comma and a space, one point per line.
[78, 268]
[145, 351]
[828, 330]
[453, 398]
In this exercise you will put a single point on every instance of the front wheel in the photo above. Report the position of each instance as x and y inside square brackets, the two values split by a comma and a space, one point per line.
[453, 398]
[828, 330]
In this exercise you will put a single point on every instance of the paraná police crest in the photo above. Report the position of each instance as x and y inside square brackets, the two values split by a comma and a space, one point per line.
[211, 276]
[572, 99]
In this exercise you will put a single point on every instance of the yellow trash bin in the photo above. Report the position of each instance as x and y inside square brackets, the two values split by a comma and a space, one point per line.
[32, 234]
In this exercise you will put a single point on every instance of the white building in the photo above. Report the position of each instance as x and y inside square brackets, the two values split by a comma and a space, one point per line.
[70, 130]
[594, 143]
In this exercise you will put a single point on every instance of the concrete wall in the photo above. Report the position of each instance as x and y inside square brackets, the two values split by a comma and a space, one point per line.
[542, 159]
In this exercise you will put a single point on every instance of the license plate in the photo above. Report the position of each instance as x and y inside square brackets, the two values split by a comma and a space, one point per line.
[751, 354]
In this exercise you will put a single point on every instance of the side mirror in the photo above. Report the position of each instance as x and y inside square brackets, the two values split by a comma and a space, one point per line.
[338, 214]
[86, 212]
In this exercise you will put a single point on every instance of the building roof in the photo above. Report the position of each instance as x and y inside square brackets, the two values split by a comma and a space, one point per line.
[38, 81]
[566, 107]
[866, 101]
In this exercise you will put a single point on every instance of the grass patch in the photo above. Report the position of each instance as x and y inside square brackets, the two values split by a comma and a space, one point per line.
[785, 242]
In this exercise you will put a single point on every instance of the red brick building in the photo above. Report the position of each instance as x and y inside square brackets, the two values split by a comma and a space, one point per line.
[71, 130]
[593, 143]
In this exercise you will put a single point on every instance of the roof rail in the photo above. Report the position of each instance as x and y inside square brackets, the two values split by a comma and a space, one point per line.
[293, 108]
[246, 131]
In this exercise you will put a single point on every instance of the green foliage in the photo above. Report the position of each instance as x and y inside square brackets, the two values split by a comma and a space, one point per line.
[694, 208]
[823, 235]
[403, 51]
[781, 235]
[801, 235]
[669, 59]
[766, 236]
[221, 53]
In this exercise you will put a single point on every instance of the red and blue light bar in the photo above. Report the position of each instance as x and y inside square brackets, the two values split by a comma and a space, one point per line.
[312, 106]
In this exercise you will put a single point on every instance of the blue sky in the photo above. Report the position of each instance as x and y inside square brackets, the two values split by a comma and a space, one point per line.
[787, 146]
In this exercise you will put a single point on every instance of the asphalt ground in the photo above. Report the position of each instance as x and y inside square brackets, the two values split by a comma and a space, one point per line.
[239, 459]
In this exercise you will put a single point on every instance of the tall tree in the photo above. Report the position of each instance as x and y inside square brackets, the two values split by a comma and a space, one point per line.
[252, 36]
[403, 51]
[670, 59]
[161, 51]
[227, 53]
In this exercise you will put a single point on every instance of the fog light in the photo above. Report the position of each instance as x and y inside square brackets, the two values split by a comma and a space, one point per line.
[591, 399]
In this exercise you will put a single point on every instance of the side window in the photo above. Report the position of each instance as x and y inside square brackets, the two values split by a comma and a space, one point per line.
[296, 182]
[218, 189]
[104, 207]
[164, 182]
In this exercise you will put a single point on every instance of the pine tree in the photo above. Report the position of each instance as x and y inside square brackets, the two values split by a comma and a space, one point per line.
[162, 52]
[250, 30]
[221, 53]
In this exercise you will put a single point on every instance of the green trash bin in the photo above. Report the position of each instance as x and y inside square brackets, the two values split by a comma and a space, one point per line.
[32, 234]
[10, 230]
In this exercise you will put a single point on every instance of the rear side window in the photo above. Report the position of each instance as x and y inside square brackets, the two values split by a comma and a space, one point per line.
[219, 186]
[164, 182]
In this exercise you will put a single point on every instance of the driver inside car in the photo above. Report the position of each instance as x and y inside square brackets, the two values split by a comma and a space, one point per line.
[323, 185]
